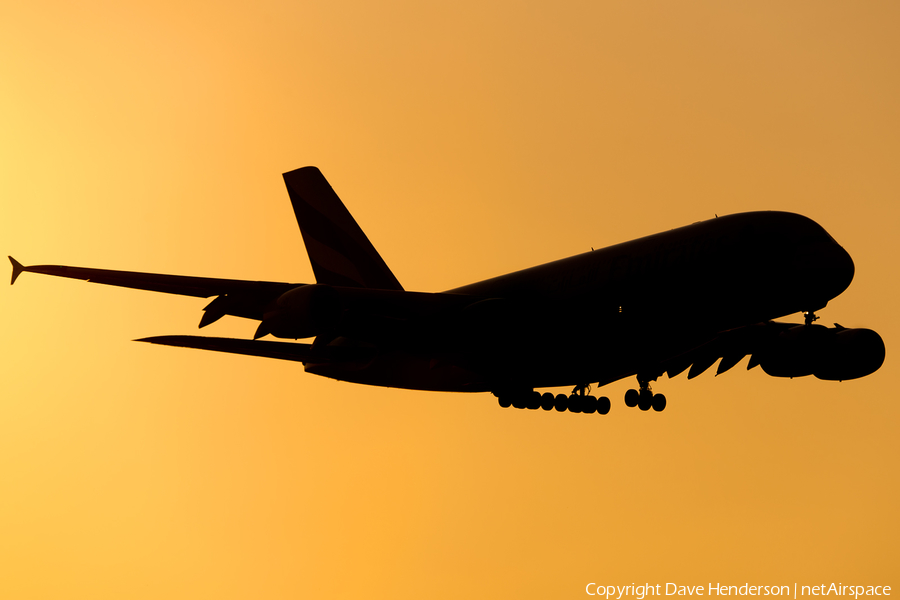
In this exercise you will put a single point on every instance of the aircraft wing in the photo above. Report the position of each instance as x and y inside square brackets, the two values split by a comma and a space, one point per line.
[250, 299]
[783, 350]
[200, 287]
[236, 297]
[282, 350]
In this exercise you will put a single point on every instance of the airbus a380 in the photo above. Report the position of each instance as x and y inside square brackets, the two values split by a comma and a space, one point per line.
[661, 304]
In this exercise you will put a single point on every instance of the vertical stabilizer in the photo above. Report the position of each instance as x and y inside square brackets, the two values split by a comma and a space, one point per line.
[339, 251]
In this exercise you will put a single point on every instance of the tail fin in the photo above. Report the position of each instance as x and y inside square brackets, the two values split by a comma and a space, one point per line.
[339, 251]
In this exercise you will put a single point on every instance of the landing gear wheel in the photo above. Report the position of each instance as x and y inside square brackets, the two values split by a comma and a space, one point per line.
[561, 403]
[519, 400]
[603, 405]
[631, 398]
[547, 400]
[505, 401]
[659, 403]
[575, 402]
[589, 405]
[533, 401]
[645, 400]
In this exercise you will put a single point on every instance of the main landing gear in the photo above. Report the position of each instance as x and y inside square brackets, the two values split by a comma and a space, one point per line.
[644, 398]
[578, 402]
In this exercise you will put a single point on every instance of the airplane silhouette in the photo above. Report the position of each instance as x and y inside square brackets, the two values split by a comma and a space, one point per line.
[665, 303]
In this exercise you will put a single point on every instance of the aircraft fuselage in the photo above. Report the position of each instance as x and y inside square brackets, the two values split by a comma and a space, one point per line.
[597, 313]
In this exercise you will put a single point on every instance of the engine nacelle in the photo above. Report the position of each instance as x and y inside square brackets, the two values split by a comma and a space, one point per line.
[830, 354]
[795, 352]
[853, 353]
[302, 312]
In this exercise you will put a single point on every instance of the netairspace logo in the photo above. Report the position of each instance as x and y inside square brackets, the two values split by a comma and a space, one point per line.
[639, 592]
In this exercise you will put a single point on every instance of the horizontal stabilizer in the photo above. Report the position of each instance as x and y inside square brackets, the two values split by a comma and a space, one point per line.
[282, 350]
[17, 269]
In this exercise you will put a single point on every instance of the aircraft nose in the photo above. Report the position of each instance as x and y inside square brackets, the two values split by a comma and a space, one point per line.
[844, 269]
[826, 267]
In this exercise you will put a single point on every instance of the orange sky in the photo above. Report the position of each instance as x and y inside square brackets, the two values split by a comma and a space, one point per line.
[468, 139]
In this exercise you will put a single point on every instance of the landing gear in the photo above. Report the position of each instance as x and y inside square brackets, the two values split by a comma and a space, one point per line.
[581, 401]
[644, 398]
[578, 402]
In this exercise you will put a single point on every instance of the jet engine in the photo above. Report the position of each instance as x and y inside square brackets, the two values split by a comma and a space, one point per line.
[302, 312]
[832, 354]
[853, 353]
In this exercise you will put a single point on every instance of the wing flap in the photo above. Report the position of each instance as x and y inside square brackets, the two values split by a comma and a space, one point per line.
[731, 346]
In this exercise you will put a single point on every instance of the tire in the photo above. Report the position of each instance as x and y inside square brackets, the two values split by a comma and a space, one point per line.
[547, 401]
[631, 398]
[575, 404]
[561, 403]
[603, 405]
[589, 405]
[645, 400]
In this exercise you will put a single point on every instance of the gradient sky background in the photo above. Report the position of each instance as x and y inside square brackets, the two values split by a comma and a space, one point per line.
[468, 139]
